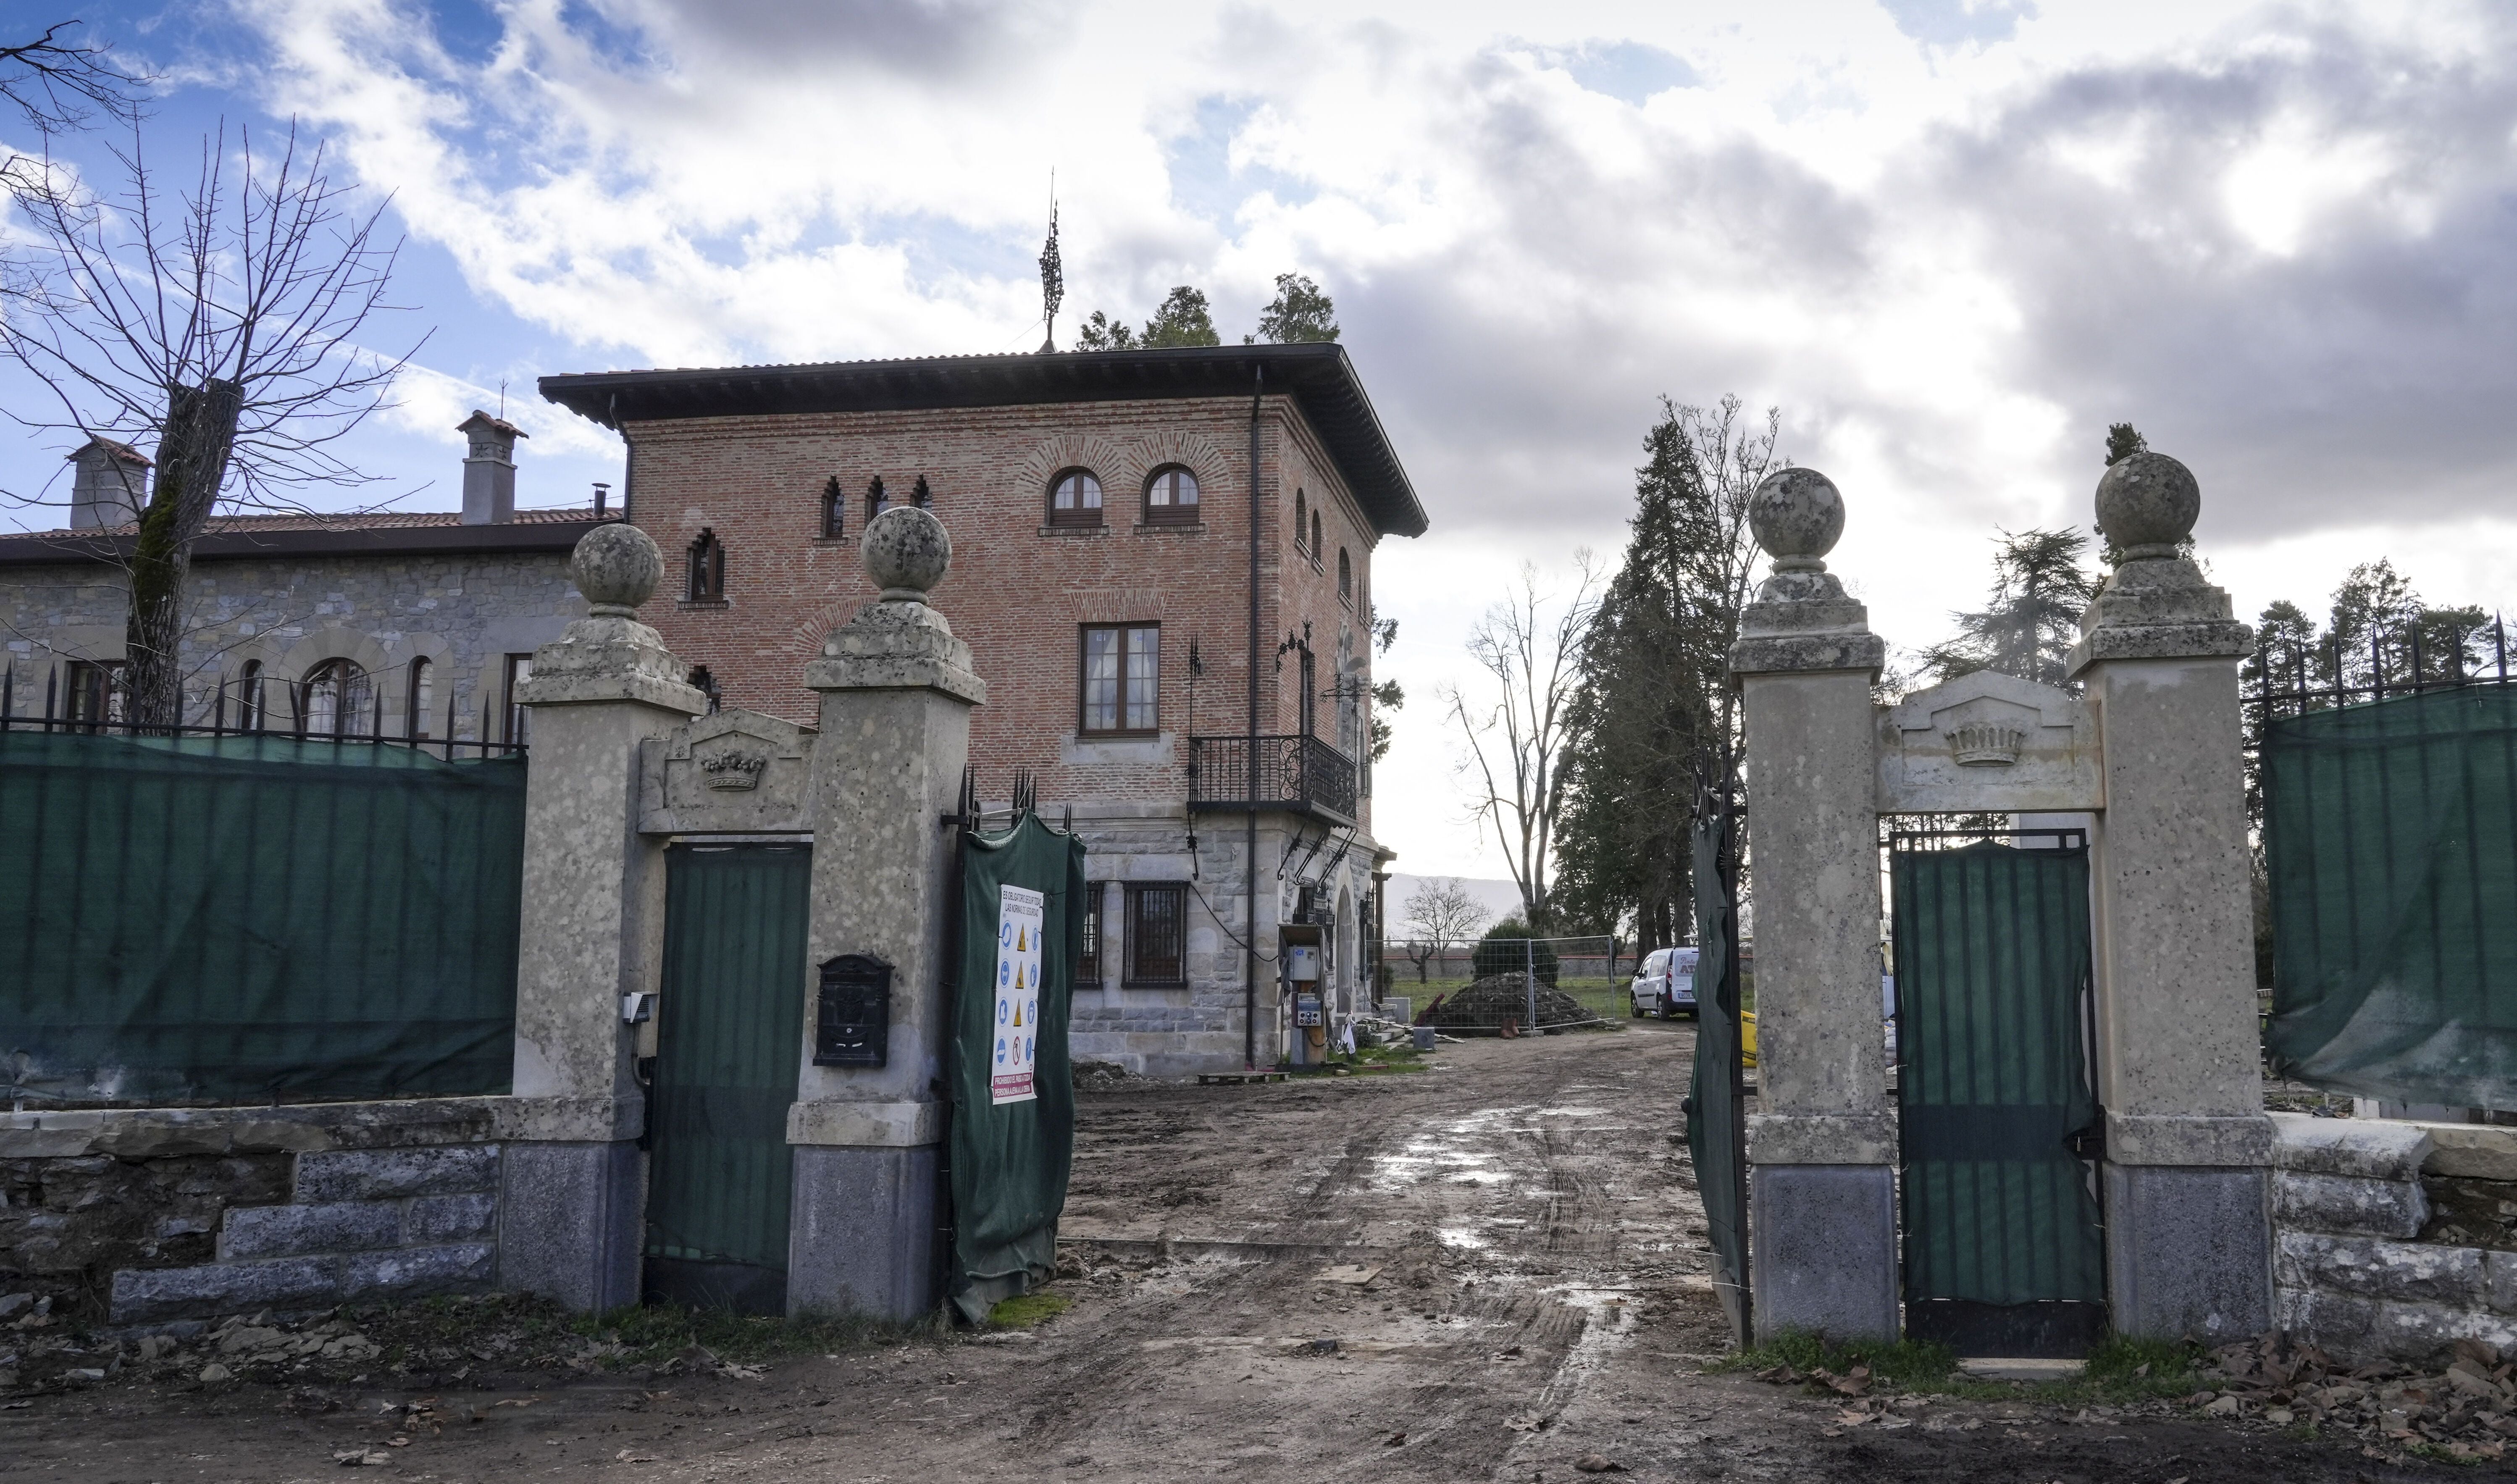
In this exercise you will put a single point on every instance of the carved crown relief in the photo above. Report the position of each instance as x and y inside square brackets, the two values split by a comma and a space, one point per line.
[733, 773]
[1988, 742]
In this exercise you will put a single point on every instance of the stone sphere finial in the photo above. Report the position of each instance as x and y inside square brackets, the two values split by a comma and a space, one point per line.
[906, 552]
[616, 565]
[1797, 515]
[2146, 505]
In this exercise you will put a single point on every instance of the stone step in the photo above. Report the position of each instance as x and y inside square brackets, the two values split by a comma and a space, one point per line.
[144, 1296]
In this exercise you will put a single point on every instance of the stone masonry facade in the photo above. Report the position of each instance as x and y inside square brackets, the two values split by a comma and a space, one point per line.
[465, 612]
[1020, 592]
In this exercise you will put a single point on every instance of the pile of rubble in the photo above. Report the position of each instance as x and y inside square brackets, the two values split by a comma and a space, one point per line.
[1486, 1006]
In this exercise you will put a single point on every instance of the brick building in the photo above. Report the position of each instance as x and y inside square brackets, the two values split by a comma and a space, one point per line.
[420, 621]
[1120, 591]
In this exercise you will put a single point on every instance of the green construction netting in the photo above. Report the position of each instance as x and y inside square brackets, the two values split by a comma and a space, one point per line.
[1013, 1090]
[1714, 1133]
[254, 919]
[2390, 834]
[1992, 959]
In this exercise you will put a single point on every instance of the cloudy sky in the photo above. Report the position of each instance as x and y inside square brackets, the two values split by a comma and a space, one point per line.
[1952, 240]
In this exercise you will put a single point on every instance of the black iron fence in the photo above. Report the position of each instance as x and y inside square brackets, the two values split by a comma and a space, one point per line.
[334, 703]
[1301, 773]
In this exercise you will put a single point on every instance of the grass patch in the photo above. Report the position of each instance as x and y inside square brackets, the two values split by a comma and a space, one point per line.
[2119, 1369]
[1025, 1310]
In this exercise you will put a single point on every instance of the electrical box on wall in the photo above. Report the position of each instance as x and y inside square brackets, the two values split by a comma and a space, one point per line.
[1302, 964]
[1306, 1010]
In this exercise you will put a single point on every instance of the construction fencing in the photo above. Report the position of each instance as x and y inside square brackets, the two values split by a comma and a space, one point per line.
[1513, 986]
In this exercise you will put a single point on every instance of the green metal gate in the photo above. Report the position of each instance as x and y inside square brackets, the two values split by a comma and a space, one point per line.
[1996, 1105]
[728, 1036]
[1716, 1138]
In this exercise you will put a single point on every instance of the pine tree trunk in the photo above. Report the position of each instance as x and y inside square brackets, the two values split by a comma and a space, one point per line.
[191, 464]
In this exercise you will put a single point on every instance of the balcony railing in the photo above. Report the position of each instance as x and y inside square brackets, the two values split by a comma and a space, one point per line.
[1300, 772]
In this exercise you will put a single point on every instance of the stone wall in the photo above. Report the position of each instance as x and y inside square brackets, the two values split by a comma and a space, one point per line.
[463, 611]
[2353, 1202]
[140, 1216]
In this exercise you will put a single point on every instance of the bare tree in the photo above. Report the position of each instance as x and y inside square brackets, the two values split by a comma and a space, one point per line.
[1518, 742]
[1439, 914]
[220, 321]
[58, 83]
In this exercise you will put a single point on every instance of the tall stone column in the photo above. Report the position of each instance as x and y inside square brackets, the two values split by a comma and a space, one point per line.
[2189, 1238]
[897, 690]
[572, 1203]
[1823, 1147]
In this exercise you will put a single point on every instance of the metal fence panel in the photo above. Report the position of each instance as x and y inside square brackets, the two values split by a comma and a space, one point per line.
[250, 919]
[1716, 1127]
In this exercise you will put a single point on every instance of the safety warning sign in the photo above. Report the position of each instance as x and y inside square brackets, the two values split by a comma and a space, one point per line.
[1019, 916]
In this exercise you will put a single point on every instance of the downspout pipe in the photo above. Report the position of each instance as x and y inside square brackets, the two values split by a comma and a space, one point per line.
[1249, 761]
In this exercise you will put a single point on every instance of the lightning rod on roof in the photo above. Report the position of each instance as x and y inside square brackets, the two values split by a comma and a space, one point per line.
[1052, 272]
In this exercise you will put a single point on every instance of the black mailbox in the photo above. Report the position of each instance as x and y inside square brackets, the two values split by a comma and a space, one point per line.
[853, 1025]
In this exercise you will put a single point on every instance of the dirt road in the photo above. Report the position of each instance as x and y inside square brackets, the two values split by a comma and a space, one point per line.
[1540, 1295]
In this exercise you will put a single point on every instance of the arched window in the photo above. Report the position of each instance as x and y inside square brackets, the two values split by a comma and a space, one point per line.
[706, 568]
[1075, 498]
[1302, 534]
[877, 503]
[1171, 496]
[251, 715]
[921, 496]
[1315, 538]
[339, 701]
[834, 510]
[1345, 577]
[420, 693]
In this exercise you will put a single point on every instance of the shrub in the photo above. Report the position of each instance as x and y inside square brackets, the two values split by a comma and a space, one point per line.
[1502, 952]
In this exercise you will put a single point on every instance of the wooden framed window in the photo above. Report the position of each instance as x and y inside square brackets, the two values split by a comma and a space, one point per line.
[339, 699]
[1121, 680]
[1157, 935]
[1315, 537]
[251, 716]
[705, 579]
[1170, 497]
[1345, 579]
[877, 503]
[920, 495]
[834, 510]
[519, 668]
[1088, 958]
[97, 690]
[1075, 498]
[1301, 533]
[419, 690]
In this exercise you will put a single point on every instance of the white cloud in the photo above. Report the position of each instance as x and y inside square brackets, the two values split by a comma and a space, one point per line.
[1952, 240]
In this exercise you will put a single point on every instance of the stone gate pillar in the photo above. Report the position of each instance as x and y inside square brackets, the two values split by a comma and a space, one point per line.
[572, 1200]
[1822, 1148]
[2188, 1229]
[897, 690]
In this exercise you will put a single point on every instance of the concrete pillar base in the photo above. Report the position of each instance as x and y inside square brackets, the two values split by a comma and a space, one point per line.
[1823, 1249]
[2189, 1251]
[862, 1238]
[570, 1222]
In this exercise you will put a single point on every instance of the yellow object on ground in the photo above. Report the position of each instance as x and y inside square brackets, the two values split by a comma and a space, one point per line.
[1747, 1037]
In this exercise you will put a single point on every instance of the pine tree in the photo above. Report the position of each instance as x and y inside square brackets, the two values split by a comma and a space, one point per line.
[1299, 314]
[1182, 320]
[2027, 629]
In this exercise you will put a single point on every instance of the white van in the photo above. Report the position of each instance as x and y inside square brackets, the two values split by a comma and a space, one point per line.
[1665, 985]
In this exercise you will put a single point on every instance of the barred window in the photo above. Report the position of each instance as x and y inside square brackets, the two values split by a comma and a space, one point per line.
[1157, 935]
[1088, 960]
[1121, 679]
[835, 509]
[706, 582]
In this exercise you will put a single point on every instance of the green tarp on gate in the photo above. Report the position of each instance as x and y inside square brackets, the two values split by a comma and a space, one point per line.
[2390, 835]
[254, 919]
[1013, 1090]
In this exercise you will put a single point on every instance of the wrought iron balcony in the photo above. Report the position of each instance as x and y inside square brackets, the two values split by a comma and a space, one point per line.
[1301, 774]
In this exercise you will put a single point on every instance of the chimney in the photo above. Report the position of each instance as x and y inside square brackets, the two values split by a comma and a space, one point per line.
[488, 469]
[111, 487]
